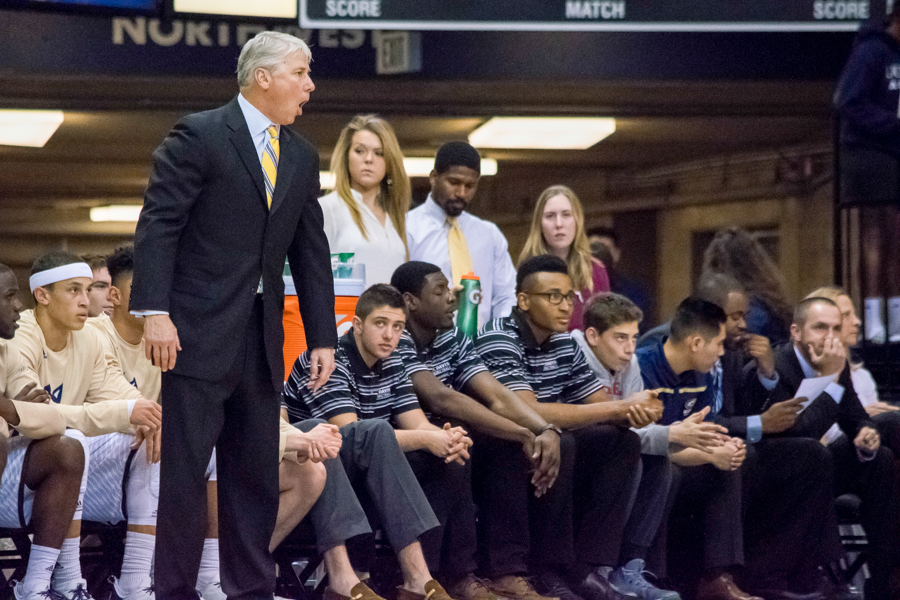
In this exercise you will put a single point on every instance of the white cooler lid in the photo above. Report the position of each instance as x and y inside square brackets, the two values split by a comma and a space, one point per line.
[342, 287]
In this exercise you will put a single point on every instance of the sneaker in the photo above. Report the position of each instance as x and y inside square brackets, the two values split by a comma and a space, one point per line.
[630, 578]
[471, 588]
[20, 593]
[596, 586]
[552, 585]
[144, 591]
[516, 587]
[213, 592]
[73, 590]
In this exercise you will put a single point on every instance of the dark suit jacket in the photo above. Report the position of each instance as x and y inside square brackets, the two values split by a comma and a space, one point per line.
[742, 393]
[823, 412]
[205, 236]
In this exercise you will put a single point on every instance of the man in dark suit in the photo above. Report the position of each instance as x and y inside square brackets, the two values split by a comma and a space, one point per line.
[861, 465]
[232, 192]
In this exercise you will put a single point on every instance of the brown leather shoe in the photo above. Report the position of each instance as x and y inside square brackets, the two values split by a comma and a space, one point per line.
[722, 587]
[515, 587]
[433, 591]
[472, 588]
[360, 591]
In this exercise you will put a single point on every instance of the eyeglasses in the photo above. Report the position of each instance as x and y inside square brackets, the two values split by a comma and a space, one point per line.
[555, 298]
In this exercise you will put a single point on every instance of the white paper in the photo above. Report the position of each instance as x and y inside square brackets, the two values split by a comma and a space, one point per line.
[811, 388]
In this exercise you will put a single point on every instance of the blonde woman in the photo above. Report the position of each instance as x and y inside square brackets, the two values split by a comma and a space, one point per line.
[557, 227]
[366, 212]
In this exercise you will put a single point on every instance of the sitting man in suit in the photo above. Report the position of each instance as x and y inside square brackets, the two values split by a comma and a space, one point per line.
[452, 382]
[532, 353]
[679, 368]
[861, 465]
[367, 393]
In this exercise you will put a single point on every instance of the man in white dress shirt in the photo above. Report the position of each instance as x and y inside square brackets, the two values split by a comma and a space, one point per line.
[441, 232]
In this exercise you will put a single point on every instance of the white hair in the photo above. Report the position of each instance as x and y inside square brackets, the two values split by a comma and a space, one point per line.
[267, 50]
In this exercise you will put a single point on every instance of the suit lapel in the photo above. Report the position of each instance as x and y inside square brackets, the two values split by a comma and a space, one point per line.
[287, 166]
[243, 143]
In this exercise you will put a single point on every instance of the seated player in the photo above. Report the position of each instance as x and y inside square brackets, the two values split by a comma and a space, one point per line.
[452, 382]
[368, 390]
[98, 292]
[69, 361]
[862, 466]
[679, 369]
[123, 340]
[42, 470]
[532, 353]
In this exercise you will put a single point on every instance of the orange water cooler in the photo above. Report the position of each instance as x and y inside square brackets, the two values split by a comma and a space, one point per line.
[346, 293]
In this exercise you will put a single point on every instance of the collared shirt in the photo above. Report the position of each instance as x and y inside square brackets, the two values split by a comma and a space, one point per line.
[683, 394]
[555, 371]
[426, 232]
[451, 357]
[381, 391]
[382, 252]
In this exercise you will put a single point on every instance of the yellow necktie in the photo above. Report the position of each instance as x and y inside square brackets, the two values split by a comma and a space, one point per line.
[270, 163]
[460, 260]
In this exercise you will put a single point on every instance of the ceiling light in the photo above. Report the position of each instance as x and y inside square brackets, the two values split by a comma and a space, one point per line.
[28, 127]
[284, 9]
[116, 212]
[553, 133]
[422, 167]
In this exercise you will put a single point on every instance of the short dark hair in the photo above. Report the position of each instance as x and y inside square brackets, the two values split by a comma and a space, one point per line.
[603, 231]
[801, 311]
[410, 276]
[94, 261]
[607, 310]
[380, 294]
[542, 263]
[715, 288]
[696, 316]
[601, 252]
[120, 262]
[457, 154]
[51, 260]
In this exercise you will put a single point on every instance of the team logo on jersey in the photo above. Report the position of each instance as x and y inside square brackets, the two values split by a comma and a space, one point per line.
[384, 393]
[55, 395]
[688, 406]
[134, 382]
[441, 368]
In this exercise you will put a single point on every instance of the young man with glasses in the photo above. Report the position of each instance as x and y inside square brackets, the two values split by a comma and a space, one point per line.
[532, 354]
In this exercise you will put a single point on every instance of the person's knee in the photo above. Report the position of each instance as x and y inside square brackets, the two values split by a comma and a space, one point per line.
[71, 456]
[631, 445]
[375, 431]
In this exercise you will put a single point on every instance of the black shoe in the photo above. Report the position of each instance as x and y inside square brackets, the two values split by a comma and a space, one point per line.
[552, 585]
[597, 587]
[772, 594]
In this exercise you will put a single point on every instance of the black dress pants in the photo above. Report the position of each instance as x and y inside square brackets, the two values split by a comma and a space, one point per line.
[450, 548]
[790, 526]
[238, 415]
[515, 529]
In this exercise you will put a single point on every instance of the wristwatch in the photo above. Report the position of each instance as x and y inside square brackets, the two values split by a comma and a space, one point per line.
[550, 427]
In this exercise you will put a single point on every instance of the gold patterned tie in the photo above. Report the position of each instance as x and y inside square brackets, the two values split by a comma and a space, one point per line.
[270, 163]
[460, 260]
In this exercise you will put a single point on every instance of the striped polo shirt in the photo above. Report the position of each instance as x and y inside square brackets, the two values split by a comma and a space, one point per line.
[380, 392]
[555, 371]
[451, 357]
[681, 395]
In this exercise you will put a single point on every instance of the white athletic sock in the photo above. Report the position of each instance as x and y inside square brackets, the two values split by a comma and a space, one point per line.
[894, 319]
[40, 568]
[136, 561]
[874, 320]
[209, 564]
[68, 565]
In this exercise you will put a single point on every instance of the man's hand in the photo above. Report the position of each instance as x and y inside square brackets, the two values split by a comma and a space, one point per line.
[33, 393]
[868, 440]
[146, 414]
[644, 408]
[450, 443]
[321, 442]
[321, 366]
[832, 359]
[545, 461]
[880, 407]
[152, 441]
[730, 455]
[161, 341]
[761, 350]
[781, 416]
[695, 433]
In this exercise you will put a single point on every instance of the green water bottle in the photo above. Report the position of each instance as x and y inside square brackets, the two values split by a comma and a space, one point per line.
[469, 299]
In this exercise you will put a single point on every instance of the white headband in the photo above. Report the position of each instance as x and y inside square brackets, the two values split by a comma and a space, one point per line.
[62, 273]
